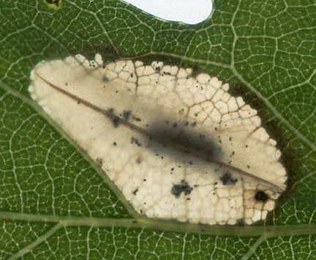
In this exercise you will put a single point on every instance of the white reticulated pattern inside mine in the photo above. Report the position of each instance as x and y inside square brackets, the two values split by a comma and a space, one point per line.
[177, 146]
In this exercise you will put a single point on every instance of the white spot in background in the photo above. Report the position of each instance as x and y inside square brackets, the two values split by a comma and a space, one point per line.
[187, 11]
[177, 146]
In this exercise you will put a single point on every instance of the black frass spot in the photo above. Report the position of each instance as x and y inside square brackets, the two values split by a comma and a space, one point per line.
[116, 122]
[135, 191]
[183, 186]
[115, 119]
[135, 141]
[261, 196]
[240, 222]
[136, 118]
[228, 179]
[126, 114]
[191, 142]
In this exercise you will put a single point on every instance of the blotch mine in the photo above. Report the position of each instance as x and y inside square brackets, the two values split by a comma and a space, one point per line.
[161, 129]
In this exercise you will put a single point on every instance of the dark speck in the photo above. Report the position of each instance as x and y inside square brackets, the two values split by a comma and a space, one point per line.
[261, 196]
[126, 114]
[138, 160]
[137, 119]
[115, 122]
[240, 221]
[113, 117]
[135, 141]
[104, 78]
[114, 143]
[183, 186]
[135, 191]
[228, 179]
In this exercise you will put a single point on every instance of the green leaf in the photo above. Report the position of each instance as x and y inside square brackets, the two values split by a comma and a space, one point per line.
[56, 204]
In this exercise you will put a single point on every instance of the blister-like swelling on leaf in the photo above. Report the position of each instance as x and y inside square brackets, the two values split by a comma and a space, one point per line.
[177, 146]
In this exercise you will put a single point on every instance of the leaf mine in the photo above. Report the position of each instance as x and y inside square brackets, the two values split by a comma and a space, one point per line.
[177, 146]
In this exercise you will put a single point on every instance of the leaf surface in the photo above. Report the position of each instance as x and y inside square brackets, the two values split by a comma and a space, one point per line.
[55, 203]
